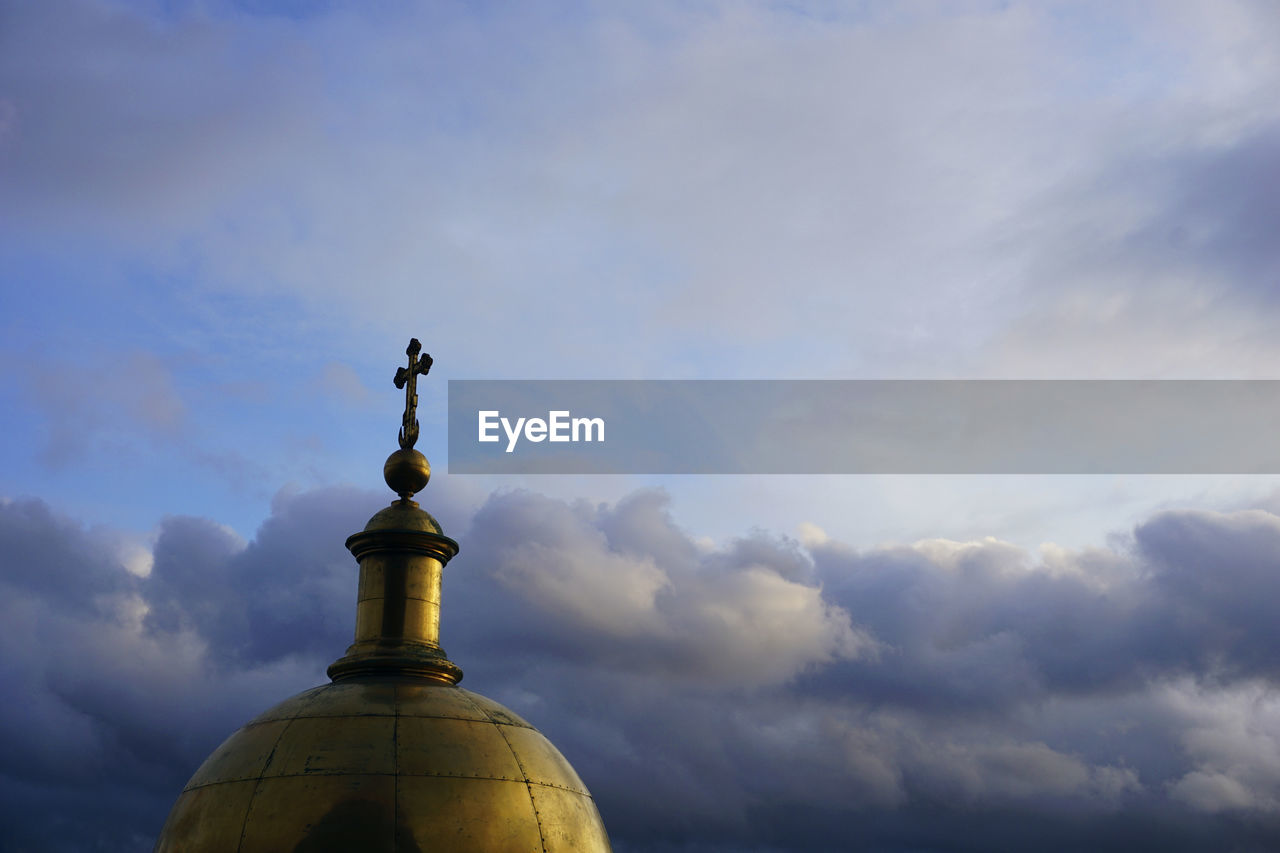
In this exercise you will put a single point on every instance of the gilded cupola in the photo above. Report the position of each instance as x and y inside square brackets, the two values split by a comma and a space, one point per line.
[391, 755]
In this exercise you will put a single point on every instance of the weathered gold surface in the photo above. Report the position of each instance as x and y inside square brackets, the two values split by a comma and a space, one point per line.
[383, 578]
[241, 756]
[398, 597]
[385, 764]
[209, 818]
[392, 756]
[567, 820]
[321, 813]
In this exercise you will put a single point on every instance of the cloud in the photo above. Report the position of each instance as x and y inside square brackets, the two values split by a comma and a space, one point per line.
[295, 577]
[1212, 792]
[108, 718]
[980, 628]
[835, 168]
[28, 567]
[627, 582]
[1233, 739]
[754, 694]
[1151, 265]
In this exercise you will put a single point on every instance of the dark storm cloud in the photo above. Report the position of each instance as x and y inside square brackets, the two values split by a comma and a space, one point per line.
[75, 570]
[747, 696]
[1008, 700]
[974, 627]
[287, 593]
[103, 719]
[1048, 696]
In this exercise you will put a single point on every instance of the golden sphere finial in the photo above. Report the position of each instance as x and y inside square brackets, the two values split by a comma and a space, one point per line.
[406, 472]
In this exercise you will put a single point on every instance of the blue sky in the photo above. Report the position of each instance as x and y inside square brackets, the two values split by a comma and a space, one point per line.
[220, 223]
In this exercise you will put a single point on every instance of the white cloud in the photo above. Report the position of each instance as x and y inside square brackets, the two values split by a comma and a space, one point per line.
[628, 573]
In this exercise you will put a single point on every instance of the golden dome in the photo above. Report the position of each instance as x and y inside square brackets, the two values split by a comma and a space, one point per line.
[403, 515]
[385, 763]
[393, 755]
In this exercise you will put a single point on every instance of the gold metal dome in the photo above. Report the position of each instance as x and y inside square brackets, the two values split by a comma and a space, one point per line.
[382, 764]
[393, 755]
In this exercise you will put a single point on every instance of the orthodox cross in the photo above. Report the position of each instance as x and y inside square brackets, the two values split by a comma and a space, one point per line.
[407, 378]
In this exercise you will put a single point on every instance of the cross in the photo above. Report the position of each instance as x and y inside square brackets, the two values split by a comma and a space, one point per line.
[407, 378]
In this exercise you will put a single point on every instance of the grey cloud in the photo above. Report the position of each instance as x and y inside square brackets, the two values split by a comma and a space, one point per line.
[755, 695]
[288, 592]
[47, 554]
[1215, 211]
[974, 628]
[1212, 792]
[1160, 262]
[1054, 696]
[123, 114]
[1217, 575]
[103, 720]
[834, 173]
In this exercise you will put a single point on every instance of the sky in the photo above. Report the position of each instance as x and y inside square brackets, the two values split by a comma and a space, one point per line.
[220, 223]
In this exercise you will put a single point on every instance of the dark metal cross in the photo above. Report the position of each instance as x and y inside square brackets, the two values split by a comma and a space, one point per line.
[407, 378]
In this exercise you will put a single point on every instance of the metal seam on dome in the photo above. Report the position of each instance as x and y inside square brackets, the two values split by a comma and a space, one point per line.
[533, 803]
[414, 716]
[489, 718]
[537, 818]
[476, 777]
[248, 810]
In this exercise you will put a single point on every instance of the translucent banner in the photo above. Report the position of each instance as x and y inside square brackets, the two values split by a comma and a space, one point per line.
[863, 427]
